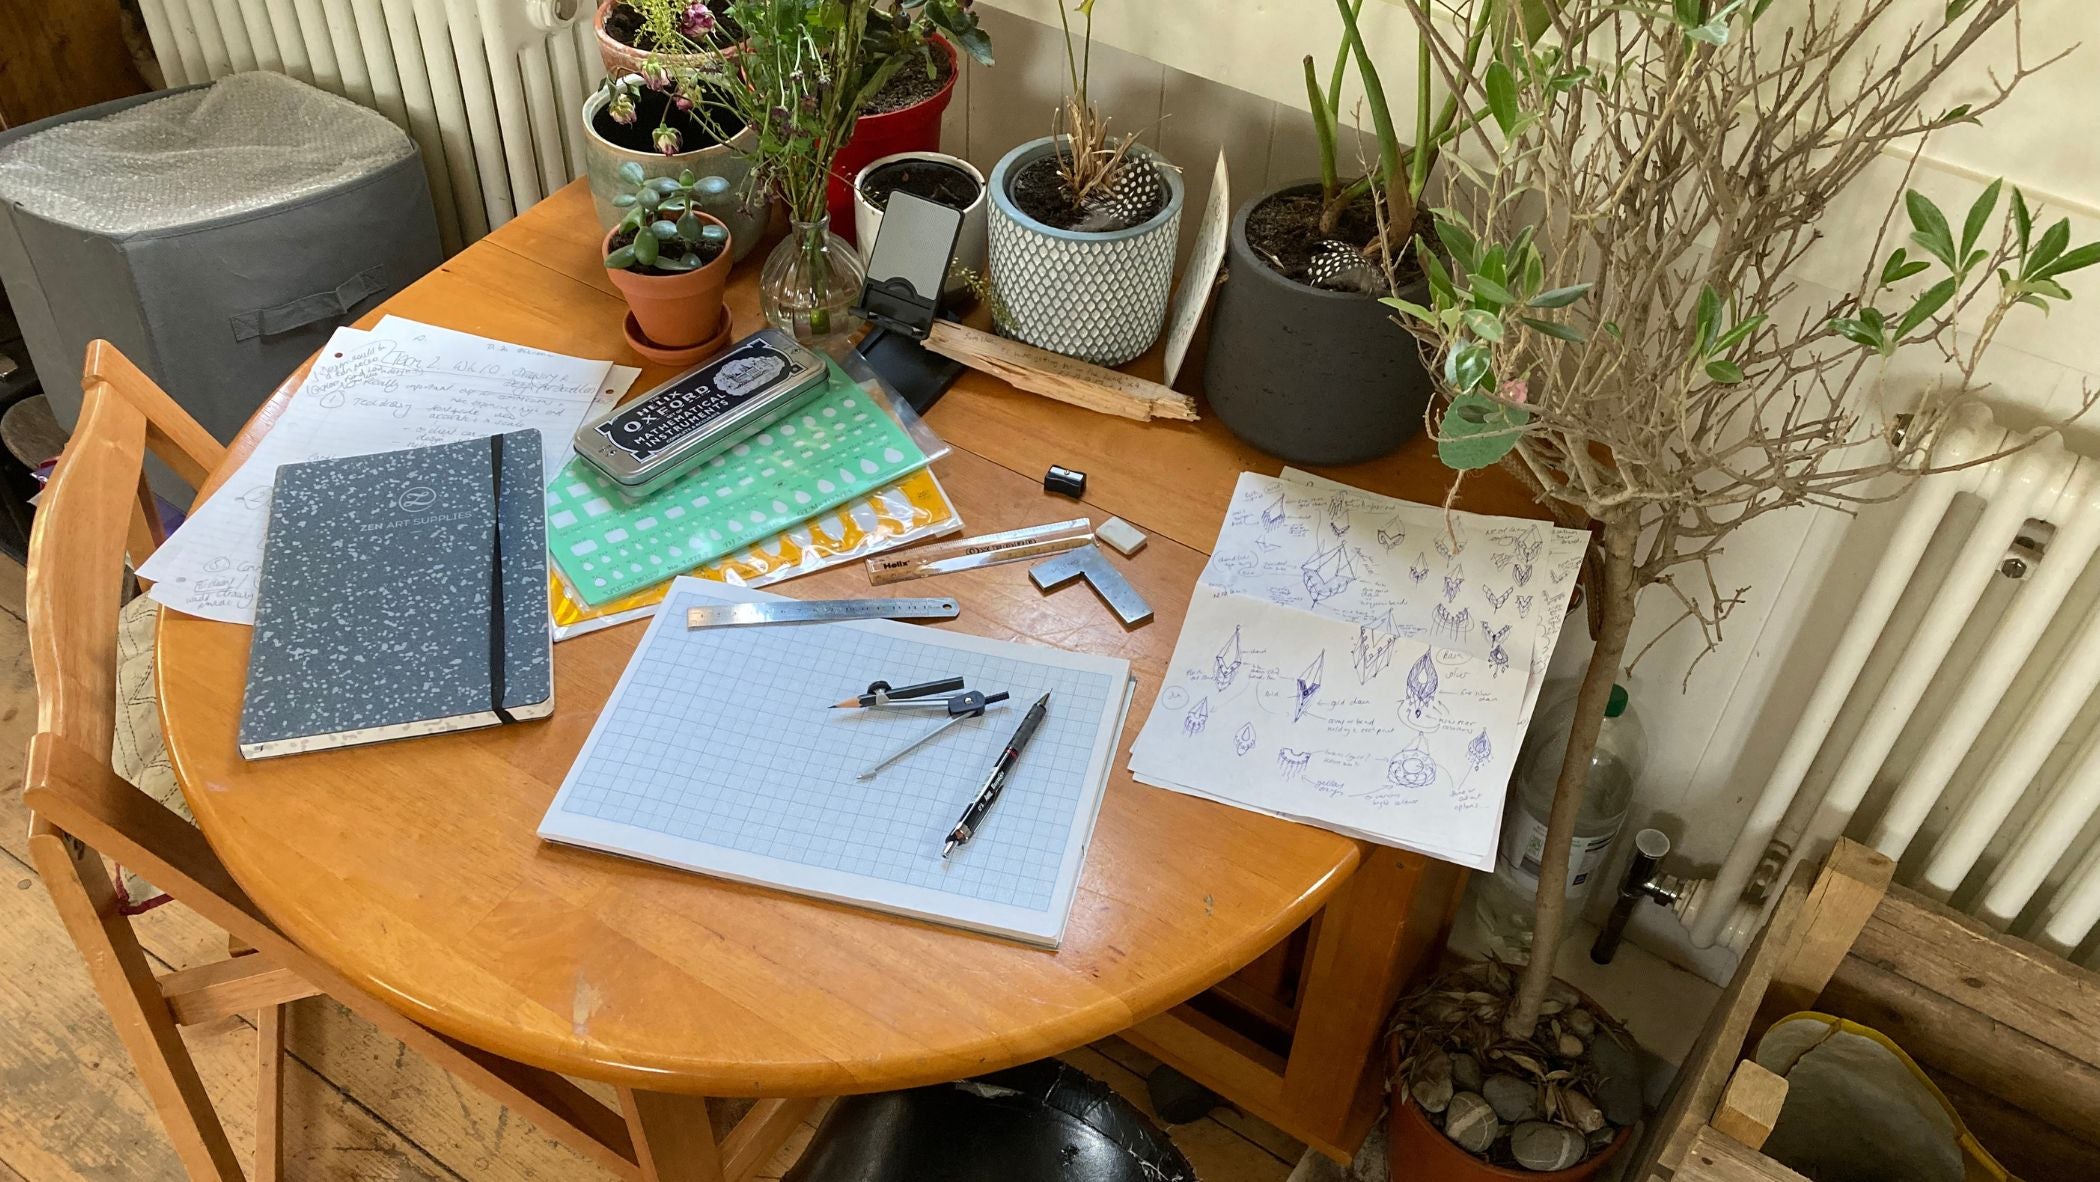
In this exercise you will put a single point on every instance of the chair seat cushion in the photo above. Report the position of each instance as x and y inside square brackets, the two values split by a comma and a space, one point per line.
[139, 754]
[1040, 1122]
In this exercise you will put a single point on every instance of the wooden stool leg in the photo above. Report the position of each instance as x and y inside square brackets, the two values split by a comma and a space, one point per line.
[86, 901]
[674, 1141]
[269, 1094]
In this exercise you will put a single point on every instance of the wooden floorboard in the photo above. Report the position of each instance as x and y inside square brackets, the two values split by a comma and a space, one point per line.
[358, 1105]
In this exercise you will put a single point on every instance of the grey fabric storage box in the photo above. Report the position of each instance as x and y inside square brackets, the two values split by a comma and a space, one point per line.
[330, 214]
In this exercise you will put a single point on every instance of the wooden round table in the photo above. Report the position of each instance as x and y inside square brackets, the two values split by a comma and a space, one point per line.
[413, 868]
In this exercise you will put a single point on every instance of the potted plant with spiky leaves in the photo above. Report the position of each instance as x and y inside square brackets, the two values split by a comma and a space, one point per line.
[1084, 225]
[1299, 364]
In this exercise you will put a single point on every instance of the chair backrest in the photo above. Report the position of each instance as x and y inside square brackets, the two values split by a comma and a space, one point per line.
[95, 510]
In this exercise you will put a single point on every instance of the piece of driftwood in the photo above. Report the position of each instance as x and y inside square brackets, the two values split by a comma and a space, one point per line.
[1053, 375]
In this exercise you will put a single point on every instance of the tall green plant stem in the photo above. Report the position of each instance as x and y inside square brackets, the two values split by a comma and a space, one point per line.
[1323, 130]
[1429, 140]
[1622, 533]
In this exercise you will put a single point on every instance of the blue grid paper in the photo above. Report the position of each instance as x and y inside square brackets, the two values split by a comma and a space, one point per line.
[722, 737]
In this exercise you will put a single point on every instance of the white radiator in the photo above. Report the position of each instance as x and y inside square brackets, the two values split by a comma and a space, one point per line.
[1950, 727]
[491, 90]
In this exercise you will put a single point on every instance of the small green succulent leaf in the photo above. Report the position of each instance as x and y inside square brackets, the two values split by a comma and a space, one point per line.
[646, 249]
[620, 259]
[632, 173]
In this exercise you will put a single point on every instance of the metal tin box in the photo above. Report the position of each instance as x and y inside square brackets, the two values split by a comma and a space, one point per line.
[643, 443]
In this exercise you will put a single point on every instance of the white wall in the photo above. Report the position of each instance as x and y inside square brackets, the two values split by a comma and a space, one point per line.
[1197, 76]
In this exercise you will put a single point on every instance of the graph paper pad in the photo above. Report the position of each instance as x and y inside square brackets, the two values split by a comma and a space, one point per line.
[718, 752]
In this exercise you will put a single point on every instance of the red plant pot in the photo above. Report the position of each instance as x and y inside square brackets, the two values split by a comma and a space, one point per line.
[1418, 1151]
[916, 128]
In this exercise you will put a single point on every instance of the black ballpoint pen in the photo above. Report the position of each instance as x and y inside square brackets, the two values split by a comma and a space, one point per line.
[973, 816]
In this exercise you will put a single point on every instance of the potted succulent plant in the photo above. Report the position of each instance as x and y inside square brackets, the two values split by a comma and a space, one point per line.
[671, 262]
[1301, 361]
[631, 124]
[675, 34]
[936, 176]
[1083, 229]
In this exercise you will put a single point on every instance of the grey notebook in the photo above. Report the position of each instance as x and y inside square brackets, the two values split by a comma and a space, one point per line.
[403, 593]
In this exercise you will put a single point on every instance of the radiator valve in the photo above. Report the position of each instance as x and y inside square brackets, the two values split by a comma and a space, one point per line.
[1644, 880]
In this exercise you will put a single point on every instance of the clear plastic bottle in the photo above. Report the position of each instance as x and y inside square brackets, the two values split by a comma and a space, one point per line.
[1504, 901]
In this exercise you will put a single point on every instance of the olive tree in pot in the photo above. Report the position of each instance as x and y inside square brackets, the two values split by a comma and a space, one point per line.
[1619, 323]
[1084, 226]
[671, 262]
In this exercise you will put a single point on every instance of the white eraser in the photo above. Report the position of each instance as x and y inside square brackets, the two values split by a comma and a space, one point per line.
[1122, 535]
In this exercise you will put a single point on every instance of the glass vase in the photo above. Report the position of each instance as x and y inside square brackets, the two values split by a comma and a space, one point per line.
[810, 285]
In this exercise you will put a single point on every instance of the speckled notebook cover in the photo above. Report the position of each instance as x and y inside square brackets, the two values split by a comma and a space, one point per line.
[375, 615]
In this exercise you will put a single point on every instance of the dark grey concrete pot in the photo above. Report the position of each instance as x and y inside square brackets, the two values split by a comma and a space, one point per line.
[1310, 376]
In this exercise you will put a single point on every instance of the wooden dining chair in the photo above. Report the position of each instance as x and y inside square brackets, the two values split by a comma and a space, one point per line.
[96, 510]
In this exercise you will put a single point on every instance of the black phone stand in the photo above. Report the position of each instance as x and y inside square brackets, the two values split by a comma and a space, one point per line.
[918, 374]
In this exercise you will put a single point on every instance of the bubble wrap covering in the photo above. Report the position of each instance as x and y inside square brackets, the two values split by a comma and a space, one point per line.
[247, 142]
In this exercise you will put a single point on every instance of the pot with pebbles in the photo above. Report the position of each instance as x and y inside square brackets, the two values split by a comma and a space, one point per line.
[938, 177]
[1469, 1102]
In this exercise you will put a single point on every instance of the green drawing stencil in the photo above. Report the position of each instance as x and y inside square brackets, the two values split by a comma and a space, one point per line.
[833, 450]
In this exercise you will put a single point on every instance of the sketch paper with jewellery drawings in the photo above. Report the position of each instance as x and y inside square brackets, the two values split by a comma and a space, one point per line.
[1362, 663]
[402, 385]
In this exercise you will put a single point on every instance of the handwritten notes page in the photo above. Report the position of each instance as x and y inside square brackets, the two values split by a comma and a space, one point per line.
[408, 385]
[1361, 663]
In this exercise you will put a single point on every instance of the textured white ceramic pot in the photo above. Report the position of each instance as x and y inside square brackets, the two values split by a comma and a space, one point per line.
[1098, 297]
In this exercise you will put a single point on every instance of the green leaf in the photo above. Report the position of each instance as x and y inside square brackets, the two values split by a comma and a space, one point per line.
[1502, 97]
[2050, 245]
[623, 200]
[1959, 113]
[2072, 260]
[1457, 240]
[1468, 366]
[1441, 289]
[1930, 228]
[1485, 325]
[1408, 308]
[646, 250]
[1688, 12]
[664, 186]
[1560, 332]
[1728, 373]
[1856, 332]
[685, 178]
[1893, 269]
[664, 231]
[1980, 215]
[689, 228]
[1483, 287]
[677, 263]
[1737, 335]
[620, 259]
[1476, 431]
[632, 173]
[2023, 221]
[1561, 297]
[1927, 305]
[1712, 32]
[1956, 7]
[1709, 319]
[2050, 288]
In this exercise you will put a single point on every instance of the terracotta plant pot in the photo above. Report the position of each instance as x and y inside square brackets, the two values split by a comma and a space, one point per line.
[970, 245]
[1309, 375]
[1418, 1151]
[676, 311]
[731, 161]
[916, 128]
[622, 58]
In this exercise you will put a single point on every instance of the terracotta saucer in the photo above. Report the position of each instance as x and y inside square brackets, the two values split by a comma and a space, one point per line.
[665, 355]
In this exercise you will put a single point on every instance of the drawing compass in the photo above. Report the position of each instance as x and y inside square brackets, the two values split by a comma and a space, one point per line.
[947, 695]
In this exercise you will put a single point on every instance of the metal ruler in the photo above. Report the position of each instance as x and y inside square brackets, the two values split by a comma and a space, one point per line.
[819, 611]
[1014, 545]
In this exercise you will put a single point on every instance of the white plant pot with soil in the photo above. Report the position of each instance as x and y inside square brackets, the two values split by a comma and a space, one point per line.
[1098, 296]
[603, 155]
[1307, 374]
[936, 176]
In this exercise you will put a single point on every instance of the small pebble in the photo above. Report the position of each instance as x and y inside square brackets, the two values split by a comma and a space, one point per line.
[1513, 1099]
[1546, 1147]
[1618, 1080]
[1465, 1073]
[1570, 1046]
[1470, 1122]
[1429, 1081]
